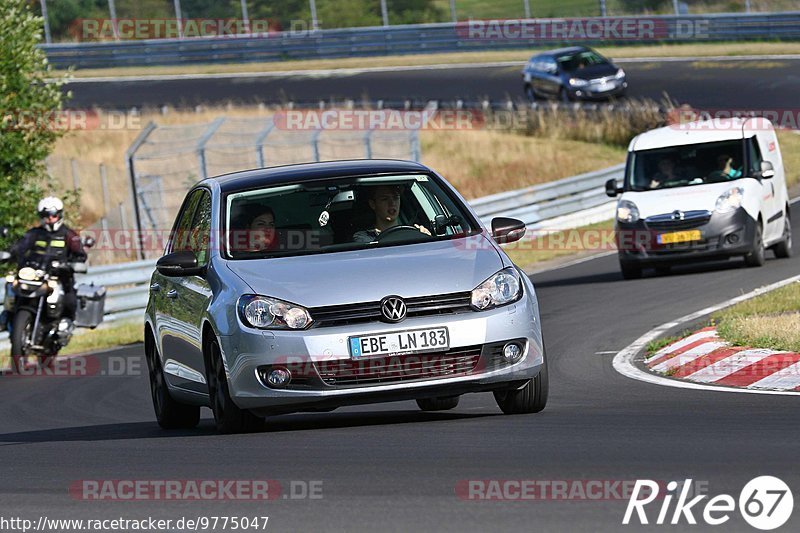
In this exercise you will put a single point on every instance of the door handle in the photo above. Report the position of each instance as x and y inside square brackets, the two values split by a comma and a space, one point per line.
[172, 294]
[155, 287]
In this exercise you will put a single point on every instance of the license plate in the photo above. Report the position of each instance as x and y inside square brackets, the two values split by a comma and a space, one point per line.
[400, 342]
[679, 236]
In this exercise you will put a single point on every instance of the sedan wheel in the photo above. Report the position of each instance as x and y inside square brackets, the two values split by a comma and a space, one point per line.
[531, 398]
[228, 416]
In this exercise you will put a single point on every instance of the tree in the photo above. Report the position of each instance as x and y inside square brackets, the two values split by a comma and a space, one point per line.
[30, 103]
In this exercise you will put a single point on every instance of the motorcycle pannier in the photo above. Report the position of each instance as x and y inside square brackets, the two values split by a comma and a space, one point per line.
[91, 305]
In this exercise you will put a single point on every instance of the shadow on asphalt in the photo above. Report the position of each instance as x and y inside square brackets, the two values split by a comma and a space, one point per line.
[285, 423]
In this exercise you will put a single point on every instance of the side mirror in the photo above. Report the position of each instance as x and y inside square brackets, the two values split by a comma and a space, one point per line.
[179, 264]
[4, 256]
[88, 242]
[3, 232]
[767, 170]
[612, 189]
[505, 230]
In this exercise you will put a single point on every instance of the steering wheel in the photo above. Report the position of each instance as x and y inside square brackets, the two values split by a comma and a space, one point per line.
[397, 232]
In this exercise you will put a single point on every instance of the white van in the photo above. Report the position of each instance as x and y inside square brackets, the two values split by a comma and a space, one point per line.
[702, 190]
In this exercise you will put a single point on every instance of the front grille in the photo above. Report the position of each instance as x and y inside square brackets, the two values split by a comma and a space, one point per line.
[341, 315]
[691, 219]
[394, 369]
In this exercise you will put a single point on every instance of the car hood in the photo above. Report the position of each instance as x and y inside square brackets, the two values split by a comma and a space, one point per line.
[369, 275]
[594, 71]
[692, 198]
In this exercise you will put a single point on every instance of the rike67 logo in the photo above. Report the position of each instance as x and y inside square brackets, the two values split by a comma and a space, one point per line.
[765, 503]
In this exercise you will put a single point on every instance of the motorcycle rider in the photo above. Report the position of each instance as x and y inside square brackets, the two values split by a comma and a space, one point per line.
[53, 241]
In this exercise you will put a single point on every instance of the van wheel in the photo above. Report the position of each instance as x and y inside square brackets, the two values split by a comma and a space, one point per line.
[169, 413]
[530, 94]
[438, 404]
[531, 398]
[227, 415]
[756, 258]
[630, 270]
[783, 249]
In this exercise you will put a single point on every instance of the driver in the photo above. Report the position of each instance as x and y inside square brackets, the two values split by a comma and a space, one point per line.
[53, 241]
[384, 200]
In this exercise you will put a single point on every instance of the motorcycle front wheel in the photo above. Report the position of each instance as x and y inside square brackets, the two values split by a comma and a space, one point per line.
[21, 338]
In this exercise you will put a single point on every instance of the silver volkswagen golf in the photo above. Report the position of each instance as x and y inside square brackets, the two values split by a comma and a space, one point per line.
[314, 286]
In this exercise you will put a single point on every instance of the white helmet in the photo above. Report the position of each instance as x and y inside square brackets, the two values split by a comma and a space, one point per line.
[51, 206]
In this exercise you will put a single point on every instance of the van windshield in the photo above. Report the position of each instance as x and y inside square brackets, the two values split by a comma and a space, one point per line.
[683, 166]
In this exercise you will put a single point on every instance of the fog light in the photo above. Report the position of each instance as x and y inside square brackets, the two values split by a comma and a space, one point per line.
[733, 238]
[279, 377]
[512, 352]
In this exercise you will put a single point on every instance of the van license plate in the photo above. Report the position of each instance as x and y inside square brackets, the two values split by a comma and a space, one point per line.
[679, 236]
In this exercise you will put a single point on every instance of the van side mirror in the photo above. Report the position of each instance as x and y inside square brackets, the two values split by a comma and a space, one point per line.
[505, 230]
[767, 171]
[612, 189]
[4, 256]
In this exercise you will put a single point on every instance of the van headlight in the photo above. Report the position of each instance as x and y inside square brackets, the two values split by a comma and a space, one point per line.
[730, 200]
[627, 211]
[269, 313]
[503, 288]
[578, 82]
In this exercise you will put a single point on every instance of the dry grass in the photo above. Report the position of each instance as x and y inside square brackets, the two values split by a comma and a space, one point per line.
[533, 249]
[790, 151]
[656, 50]
[771, 320]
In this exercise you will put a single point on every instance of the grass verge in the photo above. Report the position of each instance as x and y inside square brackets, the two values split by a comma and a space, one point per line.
[771, 320]
[617, 52]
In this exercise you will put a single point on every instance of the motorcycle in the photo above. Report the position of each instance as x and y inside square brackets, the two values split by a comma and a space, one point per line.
[34, 304]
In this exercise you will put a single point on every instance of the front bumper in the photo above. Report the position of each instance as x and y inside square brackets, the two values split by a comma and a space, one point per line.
[723, 236]
[596, 93]
[317, 350]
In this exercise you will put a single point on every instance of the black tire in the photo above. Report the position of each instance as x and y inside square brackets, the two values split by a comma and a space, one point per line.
[783, 250]
[663, 269]
[169, 413]
[531, 398]
[530, 94]
[438, 404]
[21, 328]
[227, 415]
[563, 96]
[630, 270]
[757, 256]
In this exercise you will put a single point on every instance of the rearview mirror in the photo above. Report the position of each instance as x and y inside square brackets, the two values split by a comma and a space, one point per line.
[767, 170]
[505, 230]
[4, 256]
[179, 264]
[3, 232]
[612, 189]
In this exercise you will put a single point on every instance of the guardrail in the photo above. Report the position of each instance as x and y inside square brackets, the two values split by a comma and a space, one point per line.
[420, 38]
[127, 283]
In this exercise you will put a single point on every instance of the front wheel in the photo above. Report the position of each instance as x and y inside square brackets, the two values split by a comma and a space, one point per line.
[227, 415]
[531, 398]
[530, 94]
[21, 330]
[756, 257]
[783, 250]
[169, 413]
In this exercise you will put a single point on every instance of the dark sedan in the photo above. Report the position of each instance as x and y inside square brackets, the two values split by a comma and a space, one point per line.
[574, 73]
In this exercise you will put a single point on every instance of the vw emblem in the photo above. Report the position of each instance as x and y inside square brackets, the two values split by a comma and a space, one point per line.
[677, 215]
[393, 309]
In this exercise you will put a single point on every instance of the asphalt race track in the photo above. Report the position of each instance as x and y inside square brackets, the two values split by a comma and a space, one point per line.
[393, 468]
[707, 84]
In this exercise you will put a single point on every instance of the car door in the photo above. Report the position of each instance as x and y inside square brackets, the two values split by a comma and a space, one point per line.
[174, 341]
[771, 201]
[190, 305]
[550, 82]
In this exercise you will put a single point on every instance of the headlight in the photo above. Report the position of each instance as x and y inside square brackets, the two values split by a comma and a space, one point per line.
[501, 289]
[268, 313]
[627, 211]
[730, 200]
[577, 82]
[620, 74]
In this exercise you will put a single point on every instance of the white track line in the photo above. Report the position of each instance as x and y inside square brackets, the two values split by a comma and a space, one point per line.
[324, 73]
[624, 360]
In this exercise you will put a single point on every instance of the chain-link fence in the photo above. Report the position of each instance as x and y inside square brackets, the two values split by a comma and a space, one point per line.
[165, 161]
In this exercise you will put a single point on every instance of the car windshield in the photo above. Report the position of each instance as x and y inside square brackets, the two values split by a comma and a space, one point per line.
[342, 214]
[579, 60]
[681, 166]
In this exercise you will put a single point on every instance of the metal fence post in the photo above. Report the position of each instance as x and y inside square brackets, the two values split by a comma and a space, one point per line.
[527, 6]
[453, 11]
[260, 138]
[104, 185]
[129, 162]
[415, 151]
[315, 143]
[47, 37]
[201, 145]
[603, 9]
[368, 143]
[76, 180]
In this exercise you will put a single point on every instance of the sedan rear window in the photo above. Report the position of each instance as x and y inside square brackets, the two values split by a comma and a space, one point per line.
[341, 214]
